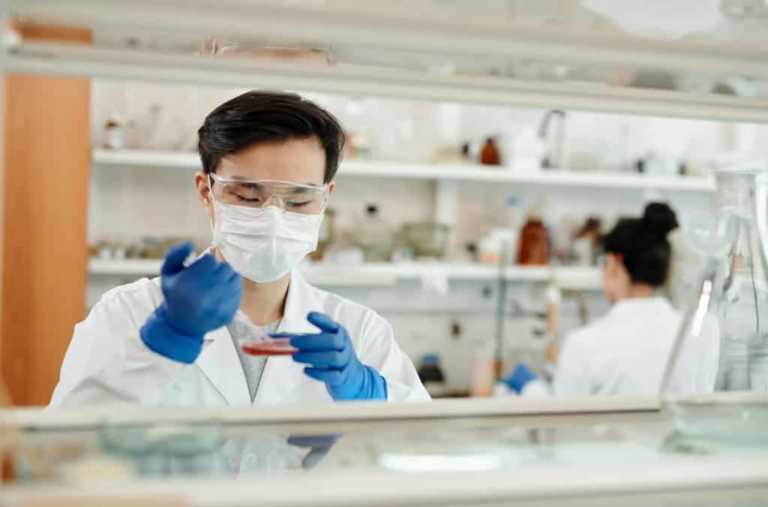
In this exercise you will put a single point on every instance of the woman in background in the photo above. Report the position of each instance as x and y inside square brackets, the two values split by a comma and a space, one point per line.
[626, 351]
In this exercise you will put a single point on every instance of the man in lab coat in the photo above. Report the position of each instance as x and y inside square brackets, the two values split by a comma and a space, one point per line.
[268, 165]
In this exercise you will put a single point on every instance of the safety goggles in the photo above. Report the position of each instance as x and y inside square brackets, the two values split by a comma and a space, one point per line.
[294, 197]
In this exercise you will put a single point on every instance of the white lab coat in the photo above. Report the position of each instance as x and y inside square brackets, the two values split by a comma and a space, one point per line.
[107, 362]
[626, 352]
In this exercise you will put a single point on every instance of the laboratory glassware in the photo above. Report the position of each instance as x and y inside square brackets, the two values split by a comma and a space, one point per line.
[722, 344]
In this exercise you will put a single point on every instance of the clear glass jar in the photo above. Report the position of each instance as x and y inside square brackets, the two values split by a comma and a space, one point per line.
[374, 236]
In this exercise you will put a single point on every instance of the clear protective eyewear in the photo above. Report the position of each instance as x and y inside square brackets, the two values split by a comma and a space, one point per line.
[301, 198]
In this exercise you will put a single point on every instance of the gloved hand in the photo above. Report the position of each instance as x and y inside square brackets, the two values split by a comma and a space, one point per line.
[199, 298]
[319, 446]
[519, 378]
[332, 360]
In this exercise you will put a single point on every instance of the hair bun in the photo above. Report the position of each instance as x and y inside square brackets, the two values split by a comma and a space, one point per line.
[660, 218]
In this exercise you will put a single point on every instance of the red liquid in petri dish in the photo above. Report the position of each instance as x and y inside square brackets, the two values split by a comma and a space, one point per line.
[276, 347]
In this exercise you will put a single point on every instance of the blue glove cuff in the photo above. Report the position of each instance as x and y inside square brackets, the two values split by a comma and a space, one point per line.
[374, 385]
[162, 338]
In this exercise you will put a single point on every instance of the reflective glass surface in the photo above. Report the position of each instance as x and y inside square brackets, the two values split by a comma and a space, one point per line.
[472, 444]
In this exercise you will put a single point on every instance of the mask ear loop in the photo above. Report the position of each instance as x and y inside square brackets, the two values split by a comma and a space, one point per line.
[211, 198]
[211, 216]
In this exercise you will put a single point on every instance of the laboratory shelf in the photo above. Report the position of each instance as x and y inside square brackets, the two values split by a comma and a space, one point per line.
[431, 273]
[389, 274]
[146, 158]
[469, 172]
[124, 267]
[442, 172]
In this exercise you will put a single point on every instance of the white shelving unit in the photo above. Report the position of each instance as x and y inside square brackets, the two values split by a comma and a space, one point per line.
[363, 168]
[504, 175]
[446, 176]
[388, 274]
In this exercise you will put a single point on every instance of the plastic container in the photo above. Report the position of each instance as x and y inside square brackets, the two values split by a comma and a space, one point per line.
[499, 245]
[527, 152]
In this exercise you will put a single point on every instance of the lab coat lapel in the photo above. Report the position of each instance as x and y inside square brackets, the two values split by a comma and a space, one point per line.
[301, 300]
[284, 379]
[220, 362]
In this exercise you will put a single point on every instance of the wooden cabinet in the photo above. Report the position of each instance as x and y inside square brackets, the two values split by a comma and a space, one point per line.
[44, 203]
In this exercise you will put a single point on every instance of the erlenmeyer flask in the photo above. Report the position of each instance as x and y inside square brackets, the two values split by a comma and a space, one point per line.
[722, 344]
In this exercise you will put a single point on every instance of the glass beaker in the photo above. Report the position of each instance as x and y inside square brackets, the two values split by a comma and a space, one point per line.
[722, 344]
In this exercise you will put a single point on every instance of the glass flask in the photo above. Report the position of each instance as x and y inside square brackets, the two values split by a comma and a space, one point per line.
[722, 344]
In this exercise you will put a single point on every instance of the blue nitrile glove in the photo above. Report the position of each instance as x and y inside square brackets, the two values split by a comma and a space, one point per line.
[332, 360]
[519, 378]
[199, 298]
[319, 446]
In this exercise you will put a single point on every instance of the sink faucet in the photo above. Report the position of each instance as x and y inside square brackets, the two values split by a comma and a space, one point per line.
[554, 152]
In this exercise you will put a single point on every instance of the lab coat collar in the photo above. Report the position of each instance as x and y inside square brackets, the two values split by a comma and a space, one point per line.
[219, 354]
[302, 299]
[220, 362]
[630, 304]
[639, 306]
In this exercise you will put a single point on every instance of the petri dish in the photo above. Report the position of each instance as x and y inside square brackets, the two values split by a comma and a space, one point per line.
[268, 347]
[255, 340]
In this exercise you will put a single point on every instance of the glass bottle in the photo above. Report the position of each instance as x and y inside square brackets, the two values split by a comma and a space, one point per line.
[374, 236]
[533, 247]
[489, 154]
[722, 344]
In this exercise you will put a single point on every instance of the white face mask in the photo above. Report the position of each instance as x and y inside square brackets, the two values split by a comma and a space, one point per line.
[263, 244]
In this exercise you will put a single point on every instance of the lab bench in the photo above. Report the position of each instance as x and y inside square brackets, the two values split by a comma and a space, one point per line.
[591, 451]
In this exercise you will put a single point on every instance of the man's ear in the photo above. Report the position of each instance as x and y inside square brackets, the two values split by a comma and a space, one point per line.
[203, 188]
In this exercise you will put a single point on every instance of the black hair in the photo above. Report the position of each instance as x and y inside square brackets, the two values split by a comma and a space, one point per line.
[642, 244]
[258, 117]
